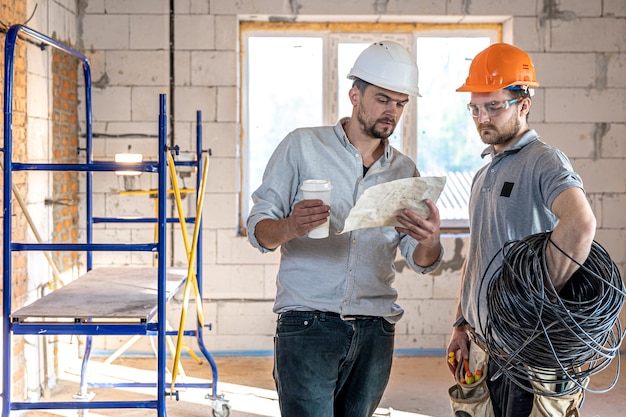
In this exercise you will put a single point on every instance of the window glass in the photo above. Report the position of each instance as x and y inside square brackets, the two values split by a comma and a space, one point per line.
[447, 138]
[448, 143]
[284, 92]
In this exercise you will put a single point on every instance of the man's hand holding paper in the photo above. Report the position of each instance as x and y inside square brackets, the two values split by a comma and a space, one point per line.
[382, 204]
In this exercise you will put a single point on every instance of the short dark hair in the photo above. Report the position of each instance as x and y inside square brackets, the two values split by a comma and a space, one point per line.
[520, 92]
[523, 93]
[360, 84]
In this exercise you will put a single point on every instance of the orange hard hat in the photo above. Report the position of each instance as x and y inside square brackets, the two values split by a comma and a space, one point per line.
[500, 66]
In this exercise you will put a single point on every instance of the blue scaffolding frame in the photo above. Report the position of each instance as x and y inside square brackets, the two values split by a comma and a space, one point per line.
[154, 322]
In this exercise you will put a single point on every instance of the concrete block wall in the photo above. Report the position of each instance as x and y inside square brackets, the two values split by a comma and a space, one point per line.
[580, 108]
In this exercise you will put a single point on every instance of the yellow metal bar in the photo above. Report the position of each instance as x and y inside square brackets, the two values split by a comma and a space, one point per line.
[191, 277]
[196, 234]
[189, 350]
[181, 216]
[179, 202]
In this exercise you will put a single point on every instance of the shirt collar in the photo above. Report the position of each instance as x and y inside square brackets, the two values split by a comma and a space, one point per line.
[527, 138]
[340, 132]
[343, 138]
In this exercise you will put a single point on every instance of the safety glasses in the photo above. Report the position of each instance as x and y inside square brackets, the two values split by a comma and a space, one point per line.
[492, 109]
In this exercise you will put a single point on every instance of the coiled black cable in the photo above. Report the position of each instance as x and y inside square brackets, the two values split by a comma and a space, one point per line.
[558, 339]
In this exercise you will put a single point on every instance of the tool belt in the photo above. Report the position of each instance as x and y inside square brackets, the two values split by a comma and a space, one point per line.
[471, 399]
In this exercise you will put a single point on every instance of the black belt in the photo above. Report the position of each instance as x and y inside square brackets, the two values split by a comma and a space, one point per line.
[347, 318]
[323, 314]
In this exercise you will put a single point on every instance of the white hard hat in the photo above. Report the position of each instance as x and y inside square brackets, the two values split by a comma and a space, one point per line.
[388, 65]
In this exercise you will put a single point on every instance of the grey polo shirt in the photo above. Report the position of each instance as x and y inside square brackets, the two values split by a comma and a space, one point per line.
[510, 199]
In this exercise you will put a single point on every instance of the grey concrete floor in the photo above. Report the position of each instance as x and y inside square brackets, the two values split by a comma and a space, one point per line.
[418, 388]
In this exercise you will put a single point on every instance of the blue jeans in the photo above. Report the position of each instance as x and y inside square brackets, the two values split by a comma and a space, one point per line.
[325, 366]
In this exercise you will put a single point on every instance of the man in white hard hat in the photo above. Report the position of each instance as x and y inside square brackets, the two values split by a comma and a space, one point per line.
[335, 302]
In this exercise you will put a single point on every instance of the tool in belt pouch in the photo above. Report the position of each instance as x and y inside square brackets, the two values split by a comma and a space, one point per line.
[549, 404]
[471, 400]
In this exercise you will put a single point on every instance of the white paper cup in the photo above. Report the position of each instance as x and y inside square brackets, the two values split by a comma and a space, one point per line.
[318, 190]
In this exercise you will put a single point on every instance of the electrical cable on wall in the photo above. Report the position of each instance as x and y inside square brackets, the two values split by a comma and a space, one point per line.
[534, 333]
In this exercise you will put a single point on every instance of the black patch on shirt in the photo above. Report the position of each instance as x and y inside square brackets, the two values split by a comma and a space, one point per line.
[506, 189]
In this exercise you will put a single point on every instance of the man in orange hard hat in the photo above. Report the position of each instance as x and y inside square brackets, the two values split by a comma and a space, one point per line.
[527, 187]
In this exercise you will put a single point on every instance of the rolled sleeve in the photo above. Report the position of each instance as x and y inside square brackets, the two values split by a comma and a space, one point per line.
[251, 227]
[407, 247]
[275, 197]
[263, 209]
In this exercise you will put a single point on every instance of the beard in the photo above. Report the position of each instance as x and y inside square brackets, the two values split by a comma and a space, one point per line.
[492, 135]
[373, 130]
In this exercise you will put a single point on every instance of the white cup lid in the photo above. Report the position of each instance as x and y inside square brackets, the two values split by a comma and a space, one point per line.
[316, 185]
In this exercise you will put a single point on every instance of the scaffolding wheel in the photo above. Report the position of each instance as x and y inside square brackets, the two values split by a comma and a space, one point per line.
[221, 408]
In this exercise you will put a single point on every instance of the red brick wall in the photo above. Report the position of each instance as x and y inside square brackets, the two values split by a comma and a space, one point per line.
[65, 184]
[13, 12]
[64, 145]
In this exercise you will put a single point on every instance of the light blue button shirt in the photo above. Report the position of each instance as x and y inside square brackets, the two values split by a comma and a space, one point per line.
[351, 273]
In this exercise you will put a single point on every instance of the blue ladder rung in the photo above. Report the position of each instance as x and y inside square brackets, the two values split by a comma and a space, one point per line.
[67, 405]
[117, 247]
[91, 167]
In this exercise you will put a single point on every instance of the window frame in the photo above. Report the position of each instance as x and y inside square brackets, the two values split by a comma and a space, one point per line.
[332, 34]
